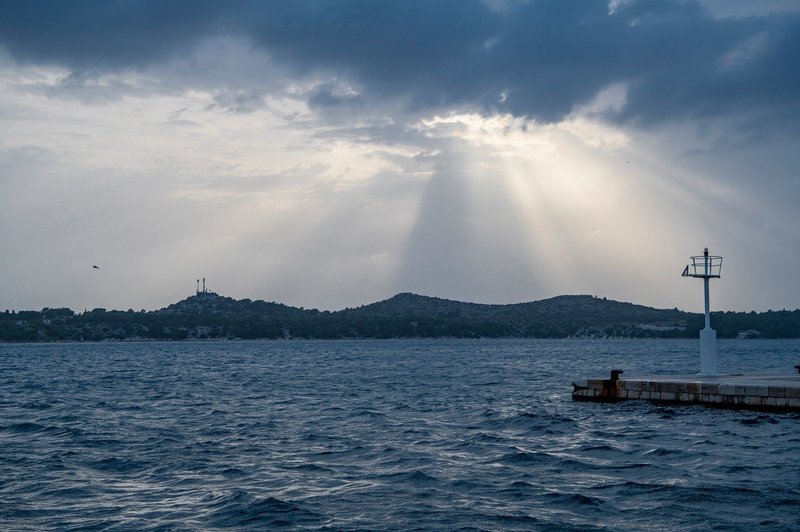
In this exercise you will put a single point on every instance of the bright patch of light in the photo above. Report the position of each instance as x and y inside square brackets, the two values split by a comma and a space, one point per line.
[610, 99]
[614, 5]
[516, 136]
[579, 200]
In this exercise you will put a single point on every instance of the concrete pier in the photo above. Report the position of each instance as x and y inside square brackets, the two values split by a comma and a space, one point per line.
[756, 391]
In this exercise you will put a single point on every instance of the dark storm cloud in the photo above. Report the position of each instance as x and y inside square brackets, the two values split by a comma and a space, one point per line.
[537, 58]
[92, 34]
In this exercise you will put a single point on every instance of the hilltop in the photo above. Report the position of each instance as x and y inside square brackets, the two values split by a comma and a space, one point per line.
[208, 315]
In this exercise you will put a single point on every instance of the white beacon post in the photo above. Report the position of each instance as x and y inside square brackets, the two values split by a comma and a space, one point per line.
[706, 267]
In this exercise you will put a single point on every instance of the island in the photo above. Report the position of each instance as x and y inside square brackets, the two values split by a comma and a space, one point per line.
[208, 315]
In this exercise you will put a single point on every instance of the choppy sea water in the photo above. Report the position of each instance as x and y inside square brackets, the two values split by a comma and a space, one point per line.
[365, 435]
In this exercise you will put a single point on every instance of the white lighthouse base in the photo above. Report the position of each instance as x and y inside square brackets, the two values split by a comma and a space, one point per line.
[708, 352]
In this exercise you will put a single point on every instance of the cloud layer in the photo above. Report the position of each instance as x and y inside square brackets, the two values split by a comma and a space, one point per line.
[537, 58]
[333, 153]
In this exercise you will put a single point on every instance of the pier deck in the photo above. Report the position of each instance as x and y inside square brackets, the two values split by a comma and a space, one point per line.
[758, 391]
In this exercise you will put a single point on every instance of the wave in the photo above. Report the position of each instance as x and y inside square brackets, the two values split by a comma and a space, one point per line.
[373, 440]
[412, 477]
[117, 465]
[240, 509]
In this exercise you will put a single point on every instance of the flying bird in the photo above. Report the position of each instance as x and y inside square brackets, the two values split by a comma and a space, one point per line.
[95, 267]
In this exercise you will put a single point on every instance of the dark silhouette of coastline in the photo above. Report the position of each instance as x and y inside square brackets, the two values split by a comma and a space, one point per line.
[207, 315]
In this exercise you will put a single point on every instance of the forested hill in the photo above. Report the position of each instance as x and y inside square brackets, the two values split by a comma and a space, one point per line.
[209, 315]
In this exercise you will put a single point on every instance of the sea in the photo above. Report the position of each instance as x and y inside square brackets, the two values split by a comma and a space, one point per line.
[414, 434]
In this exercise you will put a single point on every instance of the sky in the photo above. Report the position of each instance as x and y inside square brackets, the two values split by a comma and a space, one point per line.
[329, 154]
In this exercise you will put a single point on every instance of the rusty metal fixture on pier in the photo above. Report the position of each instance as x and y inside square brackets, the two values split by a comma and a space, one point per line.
[609, 392]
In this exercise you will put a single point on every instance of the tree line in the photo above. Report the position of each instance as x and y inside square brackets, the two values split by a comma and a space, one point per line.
[211, 316]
